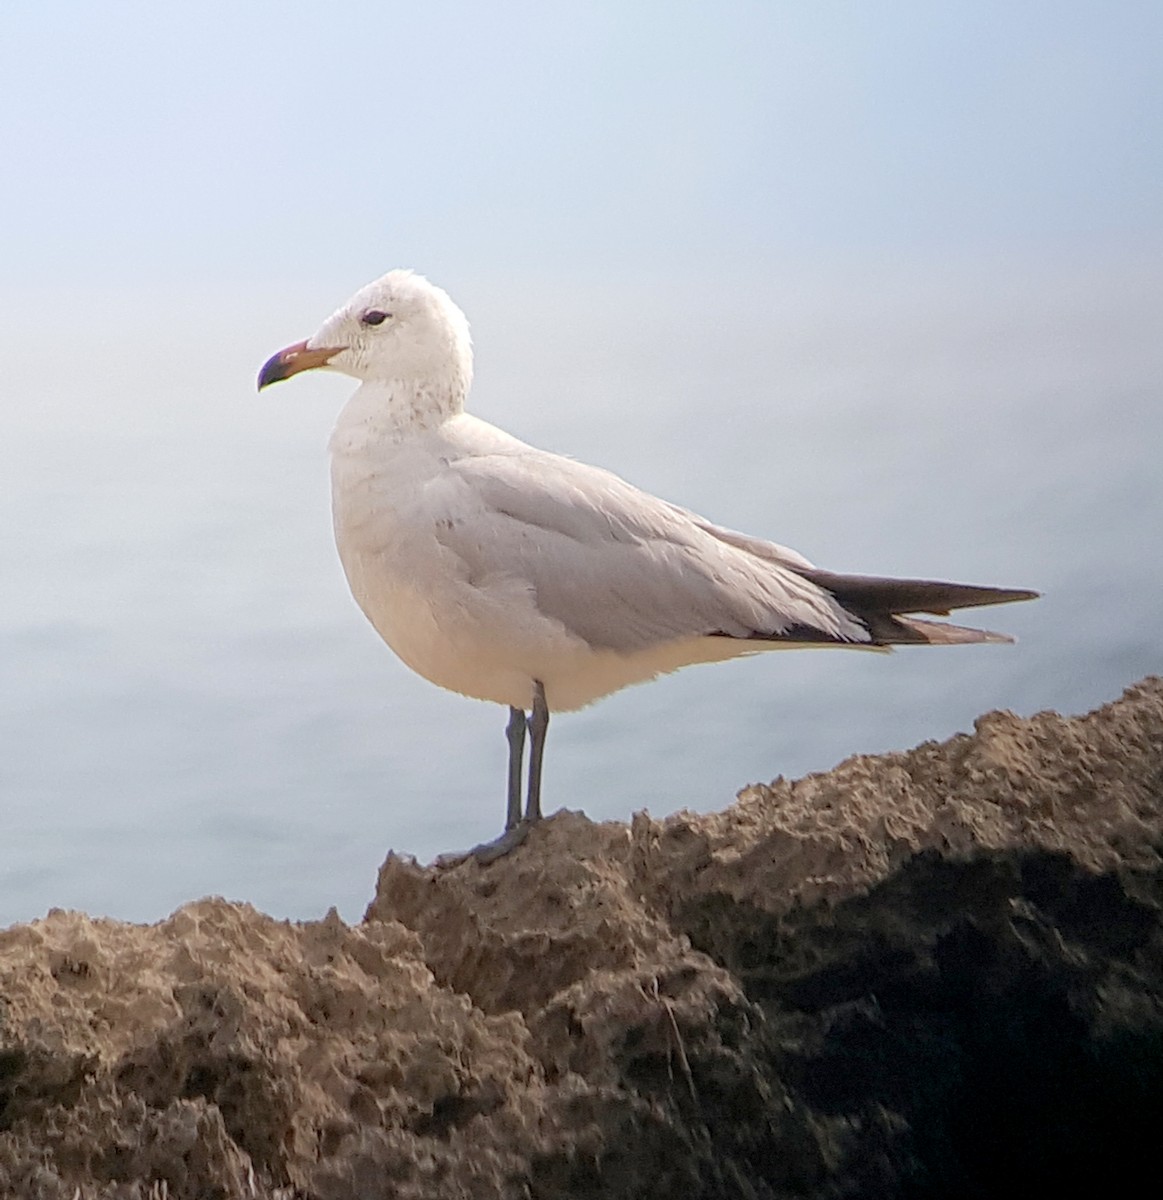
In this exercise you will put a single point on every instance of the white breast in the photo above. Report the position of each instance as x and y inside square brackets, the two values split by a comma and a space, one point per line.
[480, 637]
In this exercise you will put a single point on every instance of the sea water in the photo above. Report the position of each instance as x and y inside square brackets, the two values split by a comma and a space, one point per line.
[191, 702]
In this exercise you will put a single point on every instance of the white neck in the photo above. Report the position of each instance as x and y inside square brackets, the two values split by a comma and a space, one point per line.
[396, 409]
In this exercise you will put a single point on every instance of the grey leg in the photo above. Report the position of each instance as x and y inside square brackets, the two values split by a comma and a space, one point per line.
[538, 725]
[516, 827]
[515, 732]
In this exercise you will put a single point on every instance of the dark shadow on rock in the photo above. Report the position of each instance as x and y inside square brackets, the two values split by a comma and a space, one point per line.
[980, 1026]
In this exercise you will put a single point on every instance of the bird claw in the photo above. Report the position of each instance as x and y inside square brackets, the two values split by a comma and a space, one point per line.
[488, 852]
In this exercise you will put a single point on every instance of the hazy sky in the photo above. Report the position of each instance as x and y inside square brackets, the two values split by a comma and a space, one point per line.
[194, 703]
[145, 144]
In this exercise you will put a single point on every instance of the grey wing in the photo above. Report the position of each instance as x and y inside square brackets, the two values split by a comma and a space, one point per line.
[620, 568]
[761, 548]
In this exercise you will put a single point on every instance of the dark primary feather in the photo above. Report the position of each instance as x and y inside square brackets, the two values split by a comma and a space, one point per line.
[881, 604]
[911, 595]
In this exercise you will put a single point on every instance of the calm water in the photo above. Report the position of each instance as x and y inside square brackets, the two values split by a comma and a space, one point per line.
[191, 702]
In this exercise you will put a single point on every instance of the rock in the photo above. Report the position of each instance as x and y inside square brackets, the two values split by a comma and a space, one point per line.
[936, 973]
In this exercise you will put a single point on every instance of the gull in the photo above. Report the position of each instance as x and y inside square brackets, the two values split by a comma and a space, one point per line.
[511, 574]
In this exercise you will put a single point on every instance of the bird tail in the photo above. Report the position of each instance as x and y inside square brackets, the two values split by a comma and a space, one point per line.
[885, 605]
[888, 630]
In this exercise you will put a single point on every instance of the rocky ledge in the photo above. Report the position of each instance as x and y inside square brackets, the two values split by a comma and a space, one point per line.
[929, 974]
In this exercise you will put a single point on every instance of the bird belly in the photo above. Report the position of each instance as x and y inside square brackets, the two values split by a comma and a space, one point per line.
[486, 639]
[481, 638]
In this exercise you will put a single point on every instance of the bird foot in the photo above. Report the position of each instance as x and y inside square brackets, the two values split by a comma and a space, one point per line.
[488, 852]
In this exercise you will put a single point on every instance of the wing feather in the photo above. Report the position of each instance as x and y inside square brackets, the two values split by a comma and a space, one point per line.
[618, 567]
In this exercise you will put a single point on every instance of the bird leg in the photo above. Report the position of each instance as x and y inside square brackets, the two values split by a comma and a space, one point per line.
[538, 725]
[515, 732]
[516, 827]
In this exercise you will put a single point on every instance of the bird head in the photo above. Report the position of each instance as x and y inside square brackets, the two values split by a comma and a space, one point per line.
[401, 328]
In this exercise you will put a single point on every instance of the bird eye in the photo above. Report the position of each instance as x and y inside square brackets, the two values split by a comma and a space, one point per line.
[374, 316]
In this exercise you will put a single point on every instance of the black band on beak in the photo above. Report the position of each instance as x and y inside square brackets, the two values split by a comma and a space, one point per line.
[292, 360]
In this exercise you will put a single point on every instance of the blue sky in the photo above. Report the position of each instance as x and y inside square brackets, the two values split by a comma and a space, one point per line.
[216, 143]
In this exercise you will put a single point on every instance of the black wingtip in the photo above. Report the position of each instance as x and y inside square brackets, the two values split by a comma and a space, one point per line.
[887, 595]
